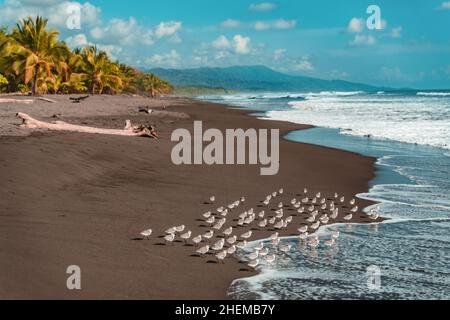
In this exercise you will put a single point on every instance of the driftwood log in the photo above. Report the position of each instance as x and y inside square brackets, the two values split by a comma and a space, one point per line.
[24, 101]
[129, 130]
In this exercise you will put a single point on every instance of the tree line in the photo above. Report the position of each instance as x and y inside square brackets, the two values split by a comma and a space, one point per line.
[33, 60]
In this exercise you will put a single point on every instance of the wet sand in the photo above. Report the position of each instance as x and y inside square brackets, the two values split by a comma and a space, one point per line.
[82, 199]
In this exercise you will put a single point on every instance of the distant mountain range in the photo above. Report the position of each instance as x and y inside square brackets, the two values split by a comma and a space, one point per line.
[253, 78]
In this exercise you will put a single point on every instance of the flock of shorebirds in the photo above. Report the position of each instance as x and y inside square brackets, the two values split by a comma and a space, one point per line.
[222, 240]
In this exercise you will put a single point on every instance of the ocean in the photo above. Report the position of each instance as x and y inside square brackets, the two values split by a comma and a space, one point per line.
[406, 257]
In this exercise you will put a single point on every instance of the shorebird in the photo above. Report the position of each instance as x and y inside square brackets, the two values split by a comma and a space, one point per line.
[374, 216]
[208, 235]
[285, 248]
[275, 242]
[289, 219]
[279, 225]
[330, 243]
[342, 199]
[323, 201]
[272, 220]
[305, 191]
[210, 220]
[305, 200]
[242, 199]
[280, 205]
[311, 208]
[274, 194]
[279, 214]
[186, 236]
[196, 240]
[243, 215]
[354, 209]
[311, 219]
[207, 215]
[270, 258]
[220, 209]
[224, 213]
[259, 246]
[315, 225]
[303, 229]
[335, 214]
[336, 196]
[253, 264]
[218, 245]
[293, 201]
[203, 250]
[314, 242]
[228, 231]
[335, 235]
[323, 207]
[231, 250]
[241, 245]
[241, 222]
[180, 228]
[297, 205]
[261, 214]
[266, 202]
[147, 233]
[246, 235]
[254, 255]
[263, 252]
[232, 240]
[281, 191]
[170, 238]
[221, 256]
[303, 236]
[348, 217]
[217, 226]
[318, 195]
[170, 230]
[262, 224]
[212, 199]
[274, 236]
[314, 201]
[352, 202]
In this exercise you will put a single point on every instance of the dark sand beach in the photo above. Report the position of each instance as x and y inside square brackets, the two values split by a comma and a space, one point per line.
[82, 199]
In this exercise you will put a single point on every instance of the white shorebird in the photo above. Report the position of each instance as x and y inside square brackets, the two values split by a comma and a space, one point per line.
[266, 202]
[212, 199]
[323, 201]
[314, 201]
[330, 243]
[241, 245]
[170, 238]
[303, 229]
[279, 225]
[352, 202]
[180, 229]
[218, 245]
[335, 214]
[224, 213]
[293, 201]
[301, 210]
[305, 200]
[297, 205]
[314, 242]
[261, 214]
[253, 264]
[259, 246]
[210, 220]
[203, 250]
[274, 194]
[221, 255]
[348, 217]
[335, 235]
[254, 255]
[243, 215]
[263, 252]
[280, 205]
[228, 231]
[286, 248]
[272, 220]
[270, 258]
[315, 225]
[246, 235]
[305, 191]
[318, 195]
[217, 226]
[208, 235]
[279, 214]
[342, 199]
[220, 209]
[231, 250]
[147, 233]
[262, 224]
[274, 236]
[242, 199]
[186, 236]
[374, 216]
[303, 236]
[289, 219]
[281, 191]
[241, 222]
[311, 208]
[336, 195]
[207, 215]
[275, 242]
[170, 230]
[311, 219]
[196, 240]
[354, 209]
[232, 240]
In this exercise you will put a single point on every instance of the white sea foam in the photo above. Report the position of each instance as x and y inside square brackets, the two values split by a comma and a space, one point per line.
[434, 94]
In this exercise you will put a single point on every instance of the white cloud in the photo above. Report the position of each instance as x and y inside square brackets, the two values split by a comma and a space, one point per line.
[280, 24]
[355, 25]
[445, 5]
[165, 29]
[304, 65]
[279, 54]
[77, 41]
[170, 59]
[264, 6]
[230, 23]
[221, 43]
[241, 44]
[363, 40]
[396, 32]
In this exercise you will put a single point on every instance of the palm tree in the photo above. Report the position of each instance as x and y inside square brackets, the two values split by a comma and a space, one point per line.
[98, 71]
[32, 54]
[154, 85]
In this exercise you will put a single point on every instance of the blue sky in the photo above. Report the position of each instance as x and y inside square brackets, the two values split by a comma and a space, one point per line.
[321, 38]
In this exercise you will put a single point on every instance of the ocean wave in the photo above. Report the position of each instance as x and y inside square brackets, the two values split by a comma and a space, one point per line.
[434, 94]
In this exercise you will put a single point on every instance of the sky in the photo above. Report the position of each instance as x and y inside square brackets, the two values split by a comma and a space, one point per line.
[409, 46]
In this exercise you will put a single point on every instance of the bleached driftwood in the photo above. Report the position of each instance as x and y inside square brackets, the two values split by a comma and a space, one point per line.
[46, 99]
[24, 101]
[129, 130]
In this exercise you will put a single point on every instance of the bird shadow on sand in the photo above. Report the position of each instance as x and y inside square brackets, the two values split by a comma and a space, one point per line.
[137, 239]
[211, 262]
[160, 244]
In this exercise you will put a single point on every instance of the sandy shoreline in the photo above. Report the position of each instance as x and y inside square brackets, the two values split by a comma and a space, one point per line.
[78, 199]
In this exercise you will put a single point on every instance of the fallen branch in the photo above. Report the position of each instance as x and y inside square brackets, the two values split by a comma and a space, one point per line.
[46, 99]
[129, 130]
[24, 101]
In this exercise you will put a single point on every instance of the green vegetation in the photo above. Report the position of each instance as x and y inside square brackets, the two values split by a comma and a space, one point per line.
[32, 59]
[196, 91]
